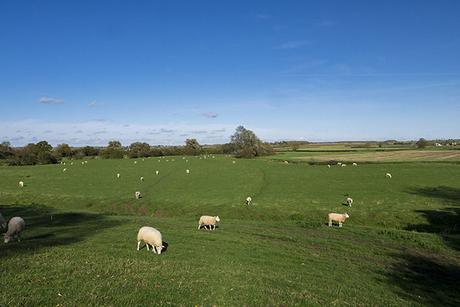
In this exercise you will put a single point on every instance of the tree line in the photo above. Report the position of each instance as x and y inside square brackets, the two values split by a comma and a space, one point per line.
[243, 144]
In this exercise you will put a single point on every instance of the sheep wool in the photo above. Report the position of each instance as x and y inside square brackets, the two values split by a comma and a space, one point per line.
[15, 226]
[337, 217]
[248, 200]
[137, 194]
[388, 175]
[21, 184]
[150, 236]
[118, 175]
[207, 220]
[355, 164]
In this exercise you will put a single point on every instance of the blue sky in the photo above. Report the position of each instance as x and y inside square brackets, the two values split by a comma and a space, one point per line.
[85, 72]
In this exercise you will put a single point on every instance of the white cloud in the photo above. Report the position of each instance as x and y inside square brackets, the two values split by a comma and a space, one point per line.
[293, 44]
[50, 100]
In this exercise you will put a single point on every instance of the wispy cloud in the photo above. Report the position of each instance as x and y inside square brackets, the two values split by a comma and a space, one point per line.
[94, 104]
[210, 114]
[293, 44]
[263, 16]
[50, 100]
[326, 23]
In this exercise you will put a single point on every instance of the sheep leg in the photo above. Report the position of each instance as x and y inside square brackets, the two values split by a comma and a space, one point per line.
[199, 226]
[154, 249]
[330, 223]
[138, 245]
[147, 245]
[340, 224]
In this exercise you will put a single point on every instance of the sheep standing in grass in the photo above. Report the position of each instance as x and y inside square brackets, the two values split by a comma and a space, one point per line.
[64, 170]
[21, 184]
[135, 162]
[355, 164]
[233, 162]
[329, 166]
[388, 175]
[142, 178]
[339, 163]
[118, 175]
[248, 200]
[137, 194]
[157, 172]
[2, 222]
[150, 236]
[349, 201]
[207, 220]
[343, 164]
[187, 171]
[337, 217]
[15, 226]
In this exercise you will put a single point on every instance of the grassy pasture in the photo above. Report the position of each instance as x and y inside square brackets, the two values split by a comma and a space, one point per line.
[400, 246]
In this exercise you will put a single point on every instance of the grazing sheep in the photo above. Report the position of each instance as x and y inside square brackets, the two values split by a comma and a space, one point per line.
[15, 226]
[82, 163]
[187, 171]
[142, 178]
[152, 237]
[343, 165]
[349, 201]
[71, 163]
[329, 166]
[233, 162]
[118, 175]
[21, 184]
[339, 163]
[157, 172]
[2, 222]
[388, 175]
[286, 162]
[248, 200]
[135, 162]
[355, 164]
[137, 194]
[207, 220]
[337, 217]
[64, 170]
[86, 162]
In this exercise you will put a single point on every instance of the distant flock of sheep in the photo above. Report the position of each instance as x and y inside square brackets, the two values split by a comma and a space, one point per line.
[151, 236]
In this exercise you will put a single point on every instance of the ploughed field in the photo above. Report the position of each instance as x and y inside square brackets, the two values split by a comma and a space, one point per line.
[400, 246]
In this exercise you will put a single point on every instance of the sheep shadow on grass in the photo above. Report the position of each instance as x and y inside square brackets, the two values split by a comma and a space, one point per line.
[208, 228]
[47, 227]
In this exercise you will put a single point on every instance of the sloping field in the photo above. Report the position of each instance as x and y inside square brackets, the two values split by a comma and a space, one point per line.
[400, 246]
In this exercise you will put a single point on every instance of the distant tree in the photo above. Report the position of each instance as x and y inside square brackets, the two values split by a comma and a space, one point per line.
[63, 151]
[40, 153]
[114, 150]
[295, 147]
[5, 150]
[90, 151]
[421, 143]
[192, 147]
[138, 149]
[246, 144]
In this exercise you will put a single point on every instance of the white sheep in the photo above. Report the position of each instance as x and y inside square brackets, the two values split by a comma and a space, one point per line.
[15, 226]
[21, 184]
[118, 175]
[135, 162]
[349, 201]
[86, 162]
[142, 178]
[286, 162]
[157, 172]
[206, 220]
[82, 163]
[337, 217]
[71, 163]
[137, 194]
[339, 163]
[152, 237]
[233, 161]
[2, 222]
[248, 200]
[343, 164]
[187, 171]
[329, 166]
[388, 175]
[64, 170]
[355, 164]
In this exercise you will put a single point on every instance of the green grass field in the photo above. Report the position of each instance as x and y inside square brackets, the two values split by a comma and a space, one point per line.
[400, 246]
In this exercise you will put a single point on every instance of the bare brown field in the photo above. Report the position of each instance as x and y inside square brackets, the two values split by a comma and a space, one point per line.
[387, 156]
